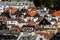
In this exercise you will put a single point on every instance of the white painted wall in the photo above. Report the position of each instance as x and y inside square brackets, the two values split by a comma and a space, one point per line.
[12, 22]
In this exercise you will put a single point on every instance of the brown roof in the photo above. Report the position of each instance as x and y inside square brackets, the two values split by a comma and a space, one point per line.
[32, 6]
[40, 18]
[17, 12]
[1, 16]
[15, 27]
[13, 10]
[6, 10]
[32, 13]
[27, 15]
[21, 21]
[16, 19]
[37, 26]
[57, 13]
[31, 22]
[11, 19]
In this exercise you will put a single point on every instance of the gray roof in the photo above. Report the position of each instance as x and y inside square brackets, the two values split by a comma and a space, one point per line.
[42, 13]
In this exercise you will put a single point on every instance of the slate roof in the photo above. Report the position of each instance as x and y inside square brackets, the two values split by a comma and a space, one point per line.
[44, 22]
[28, 26]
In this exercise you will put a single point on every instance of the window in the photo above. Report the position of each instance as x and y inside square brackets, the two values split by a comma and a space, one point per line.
[11, 21]
[41, 38]
[4, 0]
[0, 9]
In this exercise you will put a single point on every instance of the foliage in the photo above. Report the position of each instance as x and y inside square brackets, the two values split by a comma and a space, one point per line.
[47, 3]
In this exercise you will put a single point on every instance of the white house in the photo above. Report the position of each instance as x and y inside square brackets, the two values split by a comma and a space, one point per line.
[1, 8]
[12, 22]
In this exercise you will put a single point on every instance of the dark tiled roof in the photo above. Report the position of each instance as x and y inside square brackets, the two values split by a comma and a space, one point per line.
[44, 22]
[28, 26]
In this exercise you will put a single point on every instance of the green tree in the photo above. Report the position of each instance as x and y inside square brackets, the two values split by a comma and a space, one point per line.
[47, 3]
[39, 3]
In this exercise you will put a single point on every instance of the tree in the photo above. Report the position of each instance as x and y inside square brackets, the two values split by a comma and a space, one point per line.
[46, 3]
[36, 3]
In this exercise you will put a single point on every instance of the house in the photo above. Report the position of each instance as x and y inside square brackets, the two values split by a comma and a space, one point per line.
[1, 17]
[56, 36]
[28, 28]
[17, 13]
[21, 22]
[39, 19]
[3, 26]
[24, 10]
[15, 21]
[56, 13]
[58, 23]
[34, 14]
[42, 13]
[6, 14]
[11, 12]
[31, 22]
[15, 29]
[12, 21]
[32, 7]
[53, 21]
[35, 19]
[37, 26]
[1, 9]
[44, 23]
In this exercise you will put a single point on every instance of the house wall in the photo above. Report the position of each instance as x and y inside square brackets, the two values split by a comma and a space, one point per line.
[58, 24]
[12, 22]
[1, 9]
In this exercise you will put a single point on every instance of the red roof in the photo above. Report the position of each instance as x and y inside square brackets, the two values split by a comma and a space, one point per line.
[57, 13]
